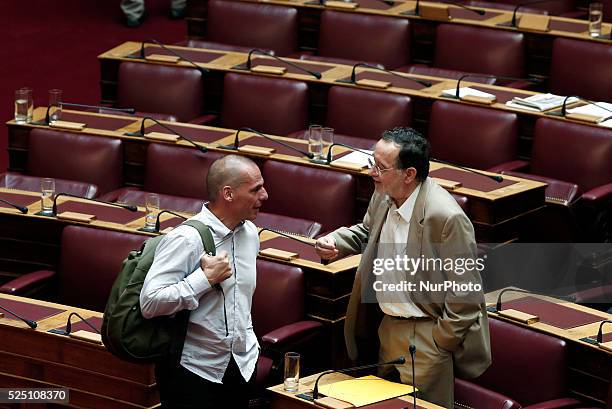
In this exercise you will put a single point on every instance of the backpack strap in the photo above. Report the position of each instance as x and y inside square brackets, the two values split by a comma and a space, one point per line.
[205, 235]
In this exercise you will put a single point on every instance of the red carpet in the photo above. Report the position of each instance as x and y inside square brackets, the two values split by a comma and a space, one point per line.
[55, 44]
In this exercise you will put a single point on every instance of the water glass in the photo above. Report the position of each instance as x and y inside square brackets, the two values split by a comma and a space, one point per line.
[21, 106]
[47, 189]
[315, 141]
[55, 105]
[595, 18]
[292, 372]
[152, 205]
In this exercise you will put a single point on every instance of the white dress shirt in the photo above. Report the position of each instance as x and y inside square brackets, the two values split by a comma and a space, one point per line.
[176, 282]
[394, 241]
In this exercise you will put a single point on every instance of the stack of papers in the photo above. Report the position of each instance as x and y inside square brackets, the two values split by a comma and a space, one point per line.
[540, 102]
[466, 91]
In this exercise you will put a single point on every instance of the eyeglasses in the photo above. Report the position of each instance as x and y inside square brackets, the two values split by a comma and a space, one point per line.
[376, 169]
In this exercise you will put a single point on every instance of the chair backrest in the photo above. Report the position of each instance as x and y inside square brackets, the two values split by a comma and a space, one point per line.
[322, 195]
[528, 366]
[89, 263]
[573, 153]
[278, 298]
[253, 25]
[271, 105]
[366, 113]
[581, 68]
[161, 89]
[32, 184]
[362, 37]
[178, 171]
[472, 136]
[93, 159]
[480, 50]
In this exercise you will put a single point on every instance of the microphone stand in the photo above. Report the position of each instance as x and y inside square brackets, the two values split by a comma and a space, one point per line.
[236, 145]
[353, 79]
[497, 178]
[74, 105]
[329, 152]
[513, 22]
[247, 65]
[31, 323]
[22, 209]
[157, 221]
[131, 208]
[416, 11]
[143, 56]
[142, 128]
[563, 111]
[501, 77]
[280, 233]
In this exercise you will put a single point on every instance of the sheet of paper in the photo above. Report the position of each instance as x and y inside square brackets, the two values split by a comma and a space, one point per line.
[357, 158]
[602, 109]
[365, 390]
[464, 91]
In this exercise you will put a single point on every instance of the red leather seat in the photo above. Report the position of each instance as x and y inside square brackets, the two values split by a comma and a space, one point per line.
[93, 159]
[470, 395]
[349, 38]
[581, 68]
[270, 105]
[472, 136]
[11, 180]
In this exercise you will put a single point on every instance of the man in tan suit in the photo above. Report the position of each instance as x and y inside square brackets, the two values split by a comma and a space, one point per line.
[418, 280]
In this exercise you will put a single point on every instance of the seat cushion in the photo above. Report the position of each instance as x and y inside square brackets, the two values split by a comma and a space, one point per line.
[470, 395]
[17, 181]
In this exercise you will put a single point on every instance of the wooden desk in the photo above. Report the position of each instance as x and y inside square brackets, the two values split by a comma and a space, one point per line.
[590, 367]
[280, 399]
[96, 379]
[498, 214]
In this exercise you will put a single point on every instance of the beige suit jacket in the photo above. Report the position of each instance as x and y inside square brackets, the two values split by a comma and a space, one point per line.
[438, 228]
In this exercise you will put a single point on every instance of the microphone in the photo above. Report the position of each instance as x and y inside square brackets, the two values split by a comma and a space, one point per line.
[247, 66]
[170, 50]
[512, 23]
[415, 12]
[563, 112]
[87, 106]
[68, 329]
[353, 79]
[286, 145]
[315, 391]
[131, 208]
[329, 152]
[142, 132]
[497, 178]
[600, 332]
[157, 223]
[501, 77]
[287, 235]
[22, 209]
[412, 350]
[32, 324]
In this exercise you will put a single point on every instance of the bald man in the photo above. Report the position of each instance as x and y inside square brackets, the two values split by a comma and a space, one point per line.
[217, 365]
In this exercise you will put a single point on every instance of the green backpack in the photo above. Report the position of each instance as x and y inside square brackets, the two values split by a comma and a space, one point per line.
[125, 332]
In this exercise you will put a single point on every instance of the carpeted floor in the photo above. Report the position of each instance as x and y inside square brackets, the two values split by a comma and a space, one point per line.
[54, 44]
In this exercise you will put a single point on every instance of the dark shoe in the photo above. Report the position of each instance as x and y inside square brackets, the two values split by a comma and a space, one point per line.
[177, 14]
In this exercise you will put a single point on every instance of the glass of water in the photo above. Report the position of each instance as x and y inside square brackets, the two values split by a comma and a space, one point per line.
[595, 17]
[292, 372]
[315, 141]
[55, 105]
[47, 189]
[152, 206]
[21, 106]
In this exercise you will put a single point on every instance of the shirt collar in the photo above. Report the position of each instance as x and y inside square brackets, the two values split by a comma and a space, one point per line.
[406, 209]
[216, 226]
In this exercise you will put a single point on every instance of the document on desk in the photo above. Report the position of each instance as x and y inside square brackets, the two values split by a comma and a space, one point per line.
[357, 158]
[602, 110]
[540, 102]
[466, 92]
[365, 390]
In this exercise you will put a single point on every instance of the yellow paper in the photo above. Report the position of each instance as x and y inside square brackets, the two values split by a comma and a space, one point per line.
[365, 390]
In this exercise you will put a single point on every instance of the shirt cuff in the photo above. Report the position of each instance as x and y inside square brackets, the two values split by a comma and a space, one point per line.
[198, 282]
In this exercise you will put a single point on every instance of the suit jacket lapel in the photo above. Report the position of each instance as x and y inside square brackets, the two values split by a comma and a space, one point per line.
[415, 233]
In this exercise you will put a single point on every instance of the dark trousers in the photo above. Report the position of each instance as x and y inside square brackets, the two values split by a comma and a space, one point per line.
[182, 389]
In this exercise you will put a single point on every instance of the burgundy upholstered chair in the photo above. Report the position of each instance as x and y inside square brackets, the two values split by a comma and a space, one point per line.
[472, 136]
[240, 26]
[93, 159]
[279, 319]
[11, 180]
[164, 91]
[581, 68]
[527, 367]
[322, 195]
[349, 38]
[462, 49]
[270, 105]
[470, 395]
[90, 260]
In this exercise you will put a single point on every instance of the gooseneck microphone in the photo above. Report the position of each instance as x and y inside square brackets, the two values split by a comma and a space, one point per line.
[32, 324]
[22, 209]
[329, 152]
[600, 332]
[353, 79]
[68, 330]
[286, 145]
[564, 106]
[170, 50]
[157, 222]
[199, 147]
[501, 77]
[287, 235]
[315, 74]
[131, 208]
[498, 304]
[497, 178]
[412, 350]
[87, 106]
[416, 11]
[315, 391]
[512, 22]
